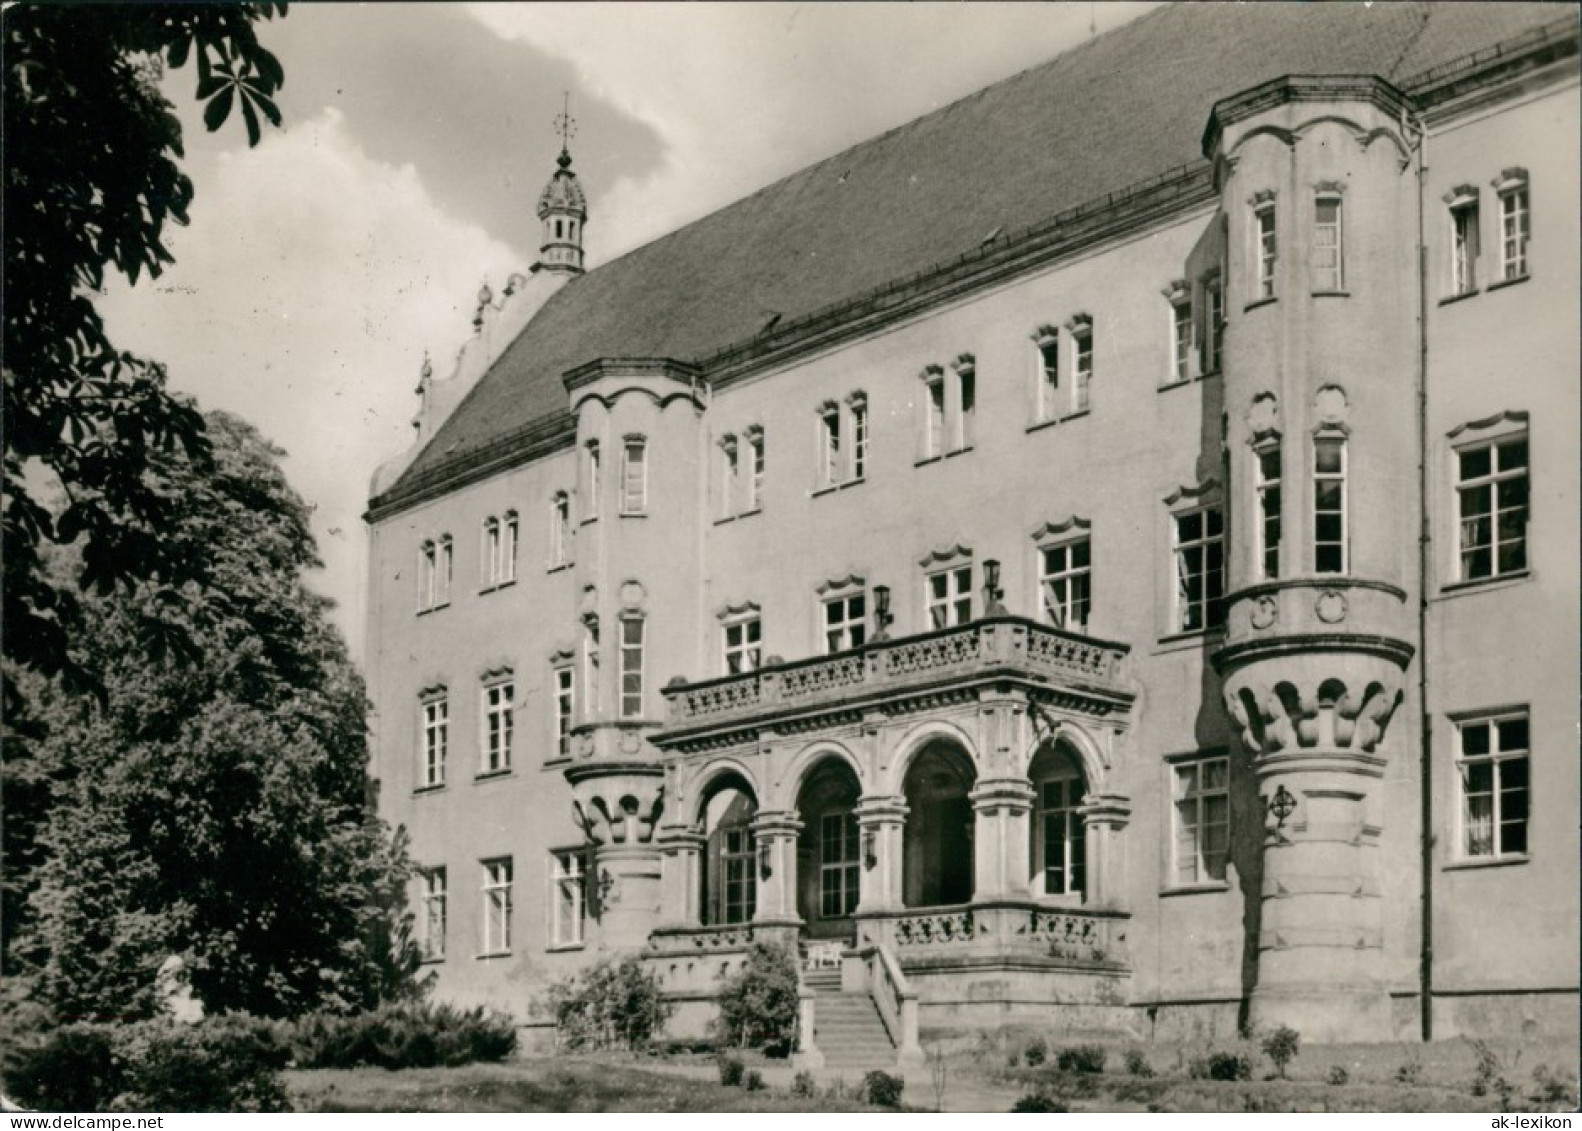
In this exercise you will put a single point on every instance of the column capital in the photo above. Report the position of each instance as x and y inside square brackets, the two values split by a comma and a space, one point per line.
[776, 822]
[1002, 793]
[680, 836]
[1113, 809]
[880, 810]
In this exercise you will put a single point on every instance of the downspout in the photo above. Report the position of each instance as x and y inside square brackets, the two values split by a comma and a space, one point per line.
[1425, 783]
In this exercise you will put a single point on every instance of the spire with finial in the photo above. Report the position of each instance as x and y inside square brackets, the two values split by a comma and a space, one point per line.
[562, 208]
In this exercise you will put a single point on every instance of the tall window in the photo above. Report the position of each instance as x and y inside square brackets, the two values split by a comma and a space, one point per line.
[1491, 503]
[432, 943]
[1464, 245]
[1514, 223]
[730, 475]
[634, 475]
[859, 436]
[436, 740]
[1063, 836]
[1265, 248]
[1082, 339]
[1065, 584]
[830, 466]
[1493, 766]
[1329, 504]
[755, 471]
[631, 667]
[934, 422]
[1328, 274]
[427, 568]
[1181, 338]
[1213, 324]
[739, 888]
[568, 907]
[590, 508]
[1200, 570]
[497, 726]
[949, 600]
[743, 645]
[489, 562]
[565, 706]
[839, 864]
[497, 906]
[1202, 820]
[1270, 504]
[559, 529]
[1048, 342]
[967, 400]
[845, 622]
[444, 570]
[510, 532]
[499, 549]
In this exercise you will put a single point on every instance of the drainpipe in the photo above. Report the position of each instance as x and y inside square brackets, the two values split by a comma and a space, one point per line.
[1424, 542]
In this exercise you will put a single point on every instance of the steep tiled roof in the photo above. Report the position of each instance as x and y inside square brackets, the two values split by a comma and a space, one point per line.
[1115, 111]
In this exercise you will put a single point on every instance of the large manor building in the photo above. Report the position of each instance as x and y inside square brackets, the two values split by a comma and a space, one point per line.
[1101, 556]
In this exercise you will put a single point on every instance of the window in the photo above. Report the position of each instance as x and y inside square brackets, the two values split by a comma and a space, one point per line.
[565, 706]
[1491, 503]
[632, 667]
[1265, 248]
[432, 943]
[436, 561]
[498, 564]
[634, 475]
[1047, 340]
[966, 400]
[497, 906]
[1082, 339]
[1329, 504]
[934, 422]
[509, 533]
[1213, 324]
[845, 622]
[559, 529]
[839, 865]
[830, 469]
[949, 599]
[1181, 338]
[1514, 220]
[730, 475]
[590, 664]
[568, 906]
[436, 740]
[1269, 510]
[743, 645]
[1200, 570]
[497, 724]
[1202, 820]
[1493, 766]
[590, 510]
[1065, 584]
[755, 477]
[739, 891]
[1464, 241]
[490, 558]
[1328, 273]
[859, 436]
[1063, 836]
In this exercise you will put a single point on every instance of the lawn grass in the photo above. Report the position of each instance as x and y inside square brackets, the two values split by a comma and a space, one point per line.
[563, 1085]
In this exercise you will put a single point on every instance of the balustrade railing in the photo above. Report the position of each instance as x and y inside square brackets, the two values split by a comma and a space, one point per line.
[1075, 936]
[996, 642]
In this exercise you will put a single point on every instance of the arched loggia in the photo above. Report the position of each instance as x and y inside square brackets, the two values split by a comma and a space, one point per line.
[829, 851]
[728, 873]
[1059, 851]
[937, 861]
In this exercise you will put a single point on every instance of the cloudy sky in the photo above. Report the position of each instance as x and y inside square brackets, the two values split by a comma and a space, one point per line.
[320, 266]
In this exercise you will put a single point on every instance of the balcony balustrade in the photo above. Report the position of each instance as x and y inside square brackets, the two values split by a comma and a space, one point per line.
[1084, 938]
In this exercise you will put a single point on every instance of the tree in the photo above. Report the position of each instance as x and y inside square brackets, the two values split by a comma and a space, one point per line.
[758, 1005]
[91, 181]
[217, 809]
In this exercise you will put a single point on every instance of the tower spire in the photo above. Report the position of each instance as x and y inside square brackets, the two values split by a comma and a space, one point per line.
[562, 208]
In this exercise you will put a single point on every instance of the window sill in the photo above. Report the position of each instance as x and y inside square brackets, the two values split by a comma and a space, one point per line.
[556, 762]
[633, 514]
[565, 947]
[1209, 887]
[1331, 294]
[592, 518]
[432, 960]
[490, 775]
[832, 488]
[1177, 641]
[491, 954]
[1484, 584]
[1257, 302]
[437, 787]
[1476, 862]
[558, 567]
[1180, 383]
[1511, 282]
[1472, 292]
[433, 608]
[493, 586]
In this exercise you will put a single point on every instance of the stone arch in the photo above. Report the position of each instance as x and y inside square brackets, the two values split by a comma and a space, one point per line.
[708, 779]
[913, 742]
[1089, 754]
[829, 855]
[724, 808]
[938, 857]
[788, 785]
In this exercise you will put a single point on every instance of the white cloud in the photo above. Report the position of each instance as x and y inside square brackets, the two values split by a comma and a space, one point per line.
[304, 294]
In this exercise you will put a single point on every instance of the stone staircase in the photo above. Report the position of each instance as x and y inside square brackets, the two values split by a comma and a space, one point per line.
[847, 1028]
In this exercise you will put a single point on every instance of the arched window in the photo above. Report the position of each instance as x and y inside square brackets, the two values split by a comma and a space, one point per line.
[937, 864]
[729, 873]
[1059, 841]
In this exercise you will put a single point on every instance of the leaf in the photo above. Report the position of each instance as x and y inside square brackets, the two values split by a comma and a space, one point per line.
[176, 55]
[218, 109]
[251, 116]
[271, 111]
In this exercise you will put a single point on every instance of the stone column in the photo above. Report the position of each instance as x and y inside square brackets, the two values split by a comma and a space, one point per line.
[1001, 839]
[626, 877]
[881, 822]
[681, 851]
[618, 804]
[1104, 817]
[775, 834]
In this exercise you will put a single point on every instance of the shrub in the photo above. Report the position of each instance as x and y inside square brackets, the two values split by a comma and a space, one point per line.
[803, 1085]
[613, 1005]
[1081, 1058]
[1197, 1068]
[402, 1035]
[1410, 1073]
[881, 1089]
[758, 1005]
[1550, 1087]
[732, 1071]
[1490, 1074]
[226, 1063]
[1038, 1101]
[1338, 1076]
[1281, 1047]
[1137, 1063]
[1036, 1052]
[754, 1081]
[1229, 1066]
